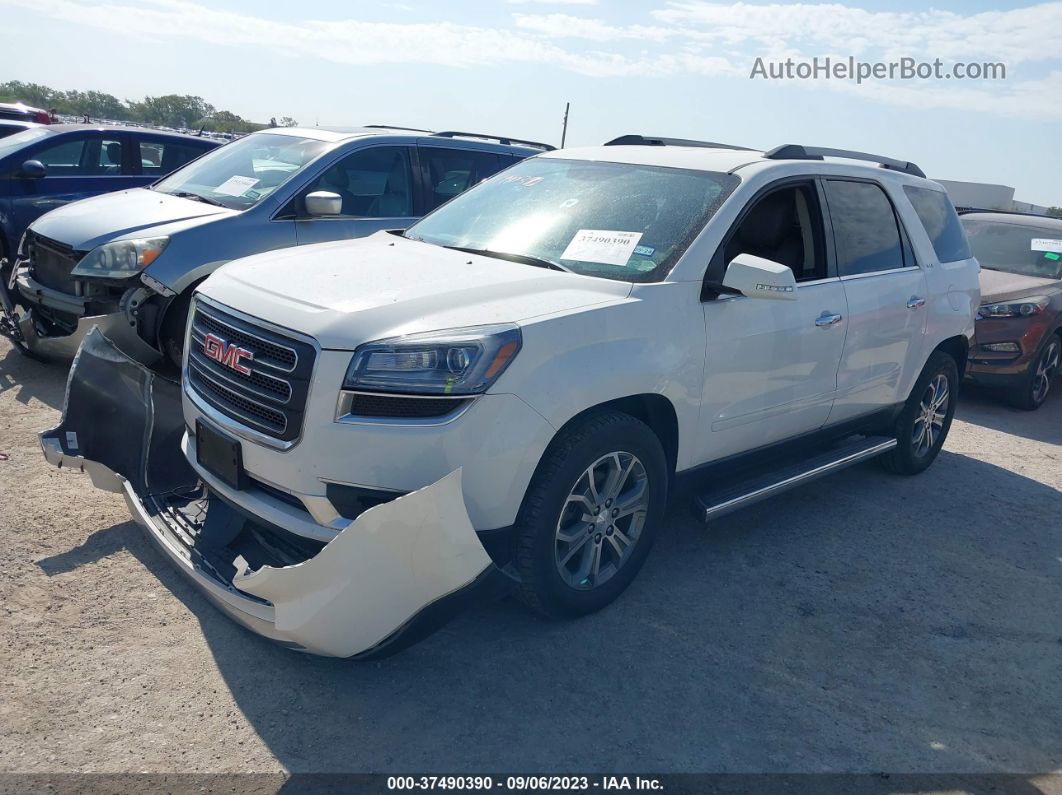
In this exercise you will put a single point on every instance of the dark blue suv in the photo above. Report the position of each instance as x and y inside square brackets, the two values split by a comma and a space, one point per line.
[47, 166]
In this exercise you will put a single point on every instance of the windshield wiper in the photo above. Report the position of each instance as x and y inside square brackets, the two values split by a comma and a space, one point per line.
[525, 259]
[185, 194]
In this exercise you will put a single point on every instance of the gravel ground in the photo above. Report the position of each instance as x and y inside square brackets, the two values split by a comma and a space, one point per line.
[864, 623]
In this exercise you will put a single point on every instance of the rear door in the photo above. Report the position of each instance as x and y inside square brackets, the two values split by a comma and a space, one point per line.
[886, 294]
[376, 186]
[79, 165]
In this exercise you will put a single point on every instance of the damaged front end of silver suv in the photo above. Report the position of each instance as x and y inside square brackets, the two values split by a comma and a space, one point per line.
[393, 575]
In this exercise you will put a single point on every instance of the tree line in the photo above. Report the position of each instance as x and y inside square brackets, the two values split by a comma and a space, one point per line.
[169, 110]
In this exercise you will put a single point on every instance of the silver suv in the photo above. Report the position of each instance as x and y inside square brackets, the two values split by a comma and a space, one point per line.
[128, 261]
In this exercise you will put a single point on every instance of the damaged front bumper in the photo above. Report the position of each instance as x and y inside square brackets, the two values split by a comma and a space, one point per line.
[46, 339]
[392, 576]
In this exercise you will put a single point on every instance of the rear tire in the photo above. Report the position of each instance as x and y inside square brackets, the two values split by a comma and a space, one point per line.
[923, 425]
[590, 514]
[1033, 391]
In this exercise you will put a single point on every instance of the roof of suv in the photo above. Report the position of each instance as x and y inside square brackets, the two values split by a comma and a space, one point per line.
[337, 134]
[724, 159]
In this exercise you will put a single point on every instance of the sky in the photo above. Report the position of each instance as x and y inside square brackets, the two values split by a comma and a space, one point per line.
[678, 68]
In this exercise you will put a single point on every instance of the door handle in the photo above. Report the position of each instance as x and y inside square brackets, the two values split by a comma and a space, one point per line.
[915, 301]
[827, 319]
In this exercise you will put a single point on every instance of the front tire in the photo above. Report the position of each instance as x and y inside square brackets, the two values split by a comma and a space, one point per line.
[590, 514]
[171, 333]
[1033, 392]
[924, 423]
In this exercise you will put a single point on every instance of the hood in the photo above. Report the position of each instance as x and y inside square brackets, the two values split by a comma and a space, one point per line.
[355, 291]
[91, 222]
[999, 286]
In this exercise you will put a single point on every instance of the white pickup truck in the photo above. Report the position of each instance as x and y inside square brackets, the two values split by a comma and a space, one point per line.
[376, 431]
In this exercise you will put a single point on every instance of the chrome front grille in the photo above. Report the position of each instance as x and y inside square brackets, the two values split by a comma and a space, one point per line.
[270, 397]
[51, 262]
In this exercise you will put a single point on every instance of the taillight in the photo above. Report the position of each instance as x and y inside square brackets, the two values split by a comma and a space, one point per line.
[42, 117]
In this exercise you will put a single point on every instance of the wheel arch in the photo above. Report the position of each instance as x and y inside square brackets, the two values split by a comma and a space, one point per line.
[958, 348]
[652, 408]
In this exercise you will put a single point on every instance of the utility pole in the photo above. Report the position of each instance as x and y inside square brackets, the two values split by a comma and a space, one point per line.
[564, 129]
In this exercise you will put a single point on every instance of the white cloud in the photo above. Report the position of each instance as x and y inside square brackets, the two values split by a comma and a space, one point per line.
[683, 37]
[562, 26]
[1014, 35]
[553, 2]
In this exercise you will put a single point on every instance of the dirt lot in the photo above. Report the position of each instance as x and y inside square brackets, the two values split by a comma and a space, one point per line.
[864, 623]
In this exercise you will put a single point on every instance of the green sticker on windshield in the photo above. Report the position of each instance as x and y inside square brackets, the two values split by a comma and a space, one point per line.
[1052, 256]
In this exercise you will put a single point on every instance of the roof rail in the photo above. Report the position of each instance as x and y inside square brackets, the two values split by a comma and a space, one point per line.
[799, 152]
[646, 140]
[396, 127]
[502, 139]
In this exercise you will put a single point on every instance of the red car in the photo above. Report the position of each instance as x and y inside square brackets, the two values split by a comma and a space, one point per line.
[19, 111]
[1018, 343]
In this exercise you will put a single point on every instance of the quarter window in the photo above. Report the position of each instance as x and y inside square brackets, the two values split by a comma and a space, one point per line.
[865, 228]
[452, 171]
[373, 183]
[938, 216]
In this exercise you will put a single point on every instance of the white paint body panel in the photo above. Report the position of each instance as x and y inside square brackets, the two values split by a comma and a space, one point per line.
[770, 373]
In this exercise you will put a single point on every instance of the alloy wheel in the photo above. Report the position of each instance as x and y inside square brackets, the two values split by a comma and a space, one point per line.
[932, 411]
[1045, 370]
[601, 520]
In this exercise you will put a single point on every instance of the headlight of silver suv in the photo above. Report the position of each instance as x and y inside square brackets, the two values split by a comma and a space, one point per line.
[1023, 307]
[121, 258]
[462, 361]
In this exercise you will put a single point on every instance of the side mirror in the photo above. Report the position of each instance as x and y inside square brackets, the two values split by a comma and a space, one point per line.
[323, 202]
[34, 169]
[756, 277]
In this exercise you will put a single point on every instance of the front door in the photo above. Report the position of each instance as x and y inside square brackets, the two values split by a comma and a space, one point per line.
[77, 166]
[771, 365]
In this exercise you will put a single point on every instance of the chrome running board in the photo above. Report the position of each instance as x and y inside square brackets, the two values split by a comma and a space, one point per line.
[719, 503]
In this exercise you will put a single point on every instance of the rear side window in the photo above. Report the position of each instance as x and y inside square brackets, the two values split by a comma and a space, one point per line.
[941, 222]
[158, 158]
[110, 158]
[453, 171]
[865, 228]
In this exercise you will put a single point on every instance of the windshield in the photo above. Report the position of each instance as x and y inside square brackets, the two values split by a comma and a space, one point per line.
[13, 143]
[1016, 248]
[614, 220]
[241, 174]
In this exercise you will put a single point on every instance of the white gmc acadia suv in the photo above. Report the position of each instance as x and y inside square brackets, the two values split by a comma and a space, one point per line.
[380, 429]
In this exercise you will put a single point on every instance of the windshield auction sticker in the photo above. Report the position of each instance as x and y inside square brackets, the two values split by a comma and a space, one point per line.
[1046, 244]
[602, 245]
[236, 186]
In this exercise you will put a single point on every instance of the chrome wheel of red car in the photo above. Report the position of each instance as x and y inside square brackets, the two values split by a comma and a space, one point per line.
[1046, 368]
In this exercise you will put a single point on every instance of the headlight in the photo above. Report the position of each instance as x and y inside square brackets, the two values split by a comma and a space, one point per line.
[1024, 307]
[121, 258]
[460, 361]
[21, 252]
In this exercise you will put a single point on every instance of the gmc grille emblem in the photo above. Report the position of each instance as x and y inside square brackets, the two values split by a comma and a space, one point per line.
[228, 354]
